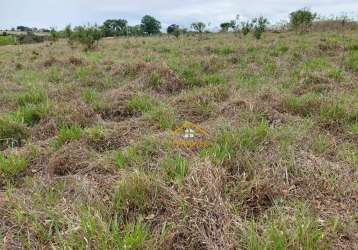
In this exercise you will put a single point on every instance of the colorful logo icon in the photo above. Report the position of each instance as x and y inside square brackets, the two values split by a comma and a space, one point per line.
[190, 135]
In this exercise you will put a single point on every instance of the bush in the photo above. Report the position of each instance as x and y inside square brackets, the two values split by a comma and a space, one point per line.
[259, 25]
[54, 35]
[302, 19]
[87, 35]
[246, 27]
[29, 37]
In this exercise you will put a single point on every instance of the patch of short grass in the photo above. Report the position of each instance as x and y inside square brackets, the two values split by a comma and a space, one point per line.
[11, 165]
[175, 167]
[321, 144]
[67, 134]
[12, 132]
[142, 103]
[138, 154]
[157, 112]
[284, 231]
[35, 95]
[30, 114]
[93, 98]
[229, 142]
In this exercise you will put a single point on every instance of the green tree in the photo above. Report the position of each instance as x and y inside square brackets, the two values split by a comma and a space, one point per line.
[198, 26]
[150, 25]
[172, 28]
[302, 19]
[112, 27]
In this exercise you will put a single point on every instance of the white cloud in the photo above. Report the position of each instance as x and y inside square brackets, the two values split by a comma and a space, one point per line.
[46, 13]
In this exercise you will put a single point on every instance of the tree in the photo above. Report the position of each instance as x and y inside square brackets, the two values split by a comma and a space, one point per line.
[259, 25]
[172, 28]
[302, 19]
[227, 25]
[114, 27]
[198, 27]
[150, 25]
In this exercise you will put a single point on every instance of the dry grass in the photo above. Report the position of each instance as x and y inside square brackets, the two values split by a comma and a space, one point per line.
[88, 160]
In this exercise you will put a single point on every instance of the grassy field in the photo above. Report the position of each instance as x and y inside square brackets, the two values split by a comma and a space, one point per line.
[7, 40]
[88, 159]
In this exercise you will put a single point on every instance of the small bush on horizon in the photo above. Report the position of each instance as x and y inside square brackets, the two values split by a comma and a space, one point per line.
[302, 19]
[87, 35]
[259, 26]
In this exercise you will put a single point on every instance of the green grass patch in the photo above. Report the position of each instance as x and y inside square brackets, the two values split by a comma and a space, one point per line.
[67, 134]
[175, 167]
[12, 165]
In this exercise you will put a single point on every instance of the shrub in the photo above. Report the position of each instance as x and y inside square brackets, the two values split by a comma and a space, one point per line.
[87, 35]
[246, 27]
[259, 26]
[54, 35]
[150, 25]
[302, 19]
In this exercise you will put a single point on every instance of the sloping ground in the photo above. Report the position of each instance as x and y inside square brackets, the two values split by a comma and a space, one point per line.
[88, 159]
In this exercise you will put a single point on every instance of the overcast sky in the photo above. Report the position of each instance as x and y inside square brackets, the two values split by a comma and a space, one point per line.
[58, 13]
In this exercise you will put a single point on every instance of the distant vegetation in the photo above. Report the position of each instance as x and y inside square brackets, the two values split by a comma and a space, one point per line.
[302, 20]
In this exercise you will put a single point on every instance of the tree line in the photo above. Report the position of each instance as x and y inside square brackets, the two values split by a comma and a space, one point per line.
[89, 35]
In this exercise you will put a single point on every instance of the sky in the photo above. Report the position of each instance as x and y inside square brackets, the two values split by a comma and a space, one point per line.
[59, 13]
